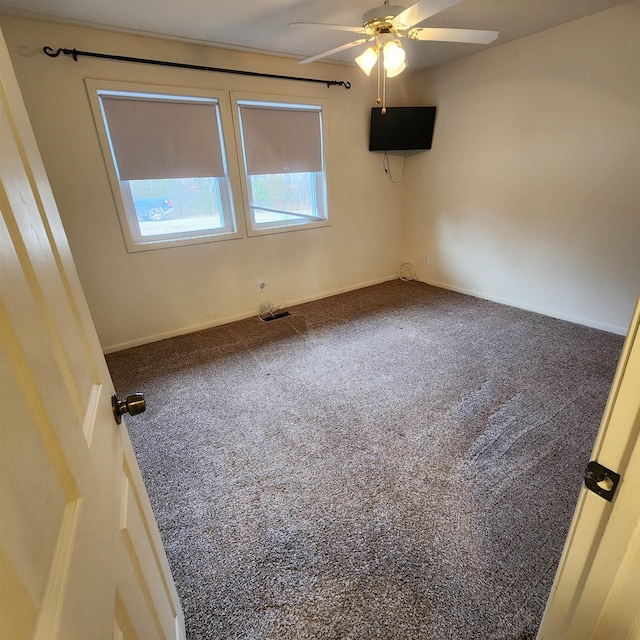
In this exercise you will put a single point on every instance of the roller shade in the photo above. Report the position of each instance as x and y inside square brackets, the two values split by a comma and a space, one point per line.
[163, 138]
[281, 140]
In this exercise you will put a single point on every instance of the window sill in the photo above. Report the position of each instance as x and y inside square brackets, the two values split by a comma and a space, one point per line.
[264, 231]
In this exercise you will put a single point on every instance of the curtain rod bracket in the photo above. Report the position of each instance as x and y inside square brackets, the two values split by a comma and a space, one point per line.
[74, 53]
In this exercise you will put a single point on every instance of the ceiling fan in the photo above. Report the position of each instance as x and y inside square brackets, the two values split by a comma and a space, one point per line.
[385, 25]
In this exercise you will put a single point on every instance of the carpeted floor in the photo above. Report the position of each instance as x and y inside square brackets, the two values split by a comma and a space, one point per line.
[399, 462]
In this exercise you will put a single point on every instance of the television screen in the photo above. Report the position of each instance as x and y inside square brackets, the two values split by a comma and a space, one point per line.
[401, 128]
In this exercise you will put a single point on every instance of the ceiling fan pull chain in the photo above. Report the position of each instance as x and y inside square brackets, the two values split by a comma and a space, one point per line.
[378, 100]
[384, 85]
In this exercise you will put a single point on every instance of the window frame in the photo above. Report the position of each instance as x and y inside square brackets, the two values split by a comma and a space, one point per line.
[321, 179]
[123, 199]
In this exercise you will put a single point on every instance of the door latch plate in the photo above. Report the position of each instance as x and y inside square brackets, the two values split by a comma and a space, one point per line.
[600, 480]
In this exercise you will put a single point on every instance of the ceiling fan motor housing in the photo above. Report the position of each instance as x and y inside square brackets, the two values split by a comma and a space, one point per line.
[380, 19]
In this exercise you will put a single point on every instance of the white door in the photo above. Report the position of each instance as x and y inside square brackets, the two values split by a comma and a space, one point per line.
[80, 553]
[596, 593]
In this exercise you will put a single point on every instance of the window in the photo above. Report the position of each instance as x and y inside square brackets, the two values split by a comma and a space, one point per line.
[284, 179]
[168, 161]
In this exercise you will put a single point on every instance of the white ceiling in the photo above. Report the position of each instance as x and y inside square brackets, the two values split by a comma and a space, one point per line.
[263, 25]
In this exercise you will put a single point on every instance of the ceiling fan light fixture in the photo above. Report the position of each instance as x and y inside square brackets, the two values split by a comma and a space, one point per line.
[394, 58]
[397, 71]
[386, 25]
[367, 60]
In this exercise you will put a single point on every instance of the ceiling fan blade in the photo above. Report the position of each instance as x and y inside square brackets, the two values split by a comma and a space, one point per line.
[421, 10]
[324, 54]
[335, 27]
[473, 36]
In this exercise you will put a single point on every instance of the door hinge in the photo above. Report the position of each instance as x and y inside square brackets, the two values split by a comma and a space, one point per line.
[601, 480]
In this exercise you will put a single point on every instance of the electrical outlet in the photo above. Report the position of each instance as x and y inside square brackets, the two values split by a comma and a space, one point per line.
[426, 259]
[262, 286]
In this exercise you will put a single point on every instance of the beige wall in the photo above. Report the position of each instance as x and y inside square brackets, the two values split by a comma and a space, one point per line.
[529, 196]
[531, 193]
[141, 296]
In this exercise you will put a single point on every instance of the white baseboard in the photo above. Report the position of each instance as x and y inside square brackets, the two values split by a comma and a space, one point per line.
[327, 294]
[521, 305]
[241, 316]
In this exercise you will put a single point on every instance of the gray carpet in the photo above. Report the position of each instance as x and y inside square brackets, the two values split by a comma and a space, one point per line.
[398, 462]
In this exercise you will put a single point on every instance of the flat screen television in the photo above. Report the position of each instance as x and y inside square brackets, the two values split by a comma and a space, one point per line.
[401, 128]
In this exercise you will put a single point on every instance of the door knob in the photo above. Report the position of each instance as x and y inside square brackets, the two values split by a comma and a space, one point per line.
[133, 405]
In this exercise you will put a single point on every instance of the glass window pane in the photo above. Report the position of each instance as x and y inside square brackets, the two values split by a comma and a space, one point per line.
[179, 205]
[284, 191]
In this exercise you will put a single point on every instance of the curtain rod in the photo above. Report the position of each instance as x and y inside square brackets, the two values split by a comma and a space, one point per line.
[74, 53]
